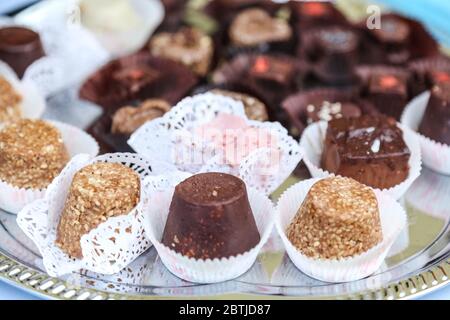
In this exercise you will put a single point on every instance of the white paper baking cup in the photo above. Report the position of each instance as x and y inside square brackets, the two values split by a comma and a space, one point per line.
[109, 247]
[393, 220]
[33, 102]
[120, 43]
[435, 155]
[312, 144]
[161, 190]
[13, 199]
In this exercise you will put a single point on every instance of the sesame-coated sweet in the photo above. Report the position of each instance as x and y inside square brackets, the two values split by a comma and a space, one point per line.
[32, 154]
[339, 218]
[98, 191]
[255, 26]
[9, 102]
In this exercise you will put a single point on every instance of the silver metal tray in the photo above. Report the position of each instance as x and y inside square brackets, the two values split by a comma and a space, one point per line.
[418, 263]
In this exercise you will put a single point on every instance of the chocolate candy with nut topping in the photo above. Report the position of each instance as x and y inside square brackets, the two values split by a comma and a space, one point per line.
[369, 149]
[188, 46]
[128, 119]
[255, 26]
[338, 219]
[338, 54]
[98, 191]
[210, 217]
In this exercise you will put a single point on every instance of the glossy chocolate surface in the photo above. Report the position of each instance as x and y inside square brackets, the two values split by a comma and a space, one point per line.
[271, 69]
[336, 51]
[368, 149]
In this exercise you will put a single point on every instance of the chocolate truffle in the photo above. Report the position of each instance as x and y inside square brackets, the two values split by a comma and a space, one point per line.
[188, 46]
[254, 108]
[254, 26]
[310, 14]
[394, 35]
[392, 30]
[210, 217]
[175, 11]
[327, 111]
[268, 77]
[323, 104]
[426, 73]
[98, 191]
[437, 77]
[32, 154]
[436, 119]
[339, 218]
[10, 102]
[389, 93]
[128, 119]
[337, 56]
[369, 149]
[271, 70]
[137, 77]
[20, 47]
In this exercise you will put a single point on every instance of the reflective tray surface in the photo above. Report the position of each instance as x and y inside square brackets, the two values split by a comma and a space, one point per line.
[418, 262]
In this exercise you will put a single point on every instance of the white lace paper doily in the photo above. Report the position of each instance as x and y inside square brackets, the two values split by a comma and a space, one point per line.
[106, 249]
[160, 190]
[172, 139]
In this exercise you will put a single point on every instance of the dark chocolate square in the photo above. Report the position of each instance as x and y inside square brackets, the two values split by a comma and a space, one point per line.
[369, 149]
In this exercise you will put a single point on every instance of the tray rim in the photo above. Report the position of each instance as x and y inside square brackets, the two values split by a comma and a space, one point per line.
[415, 285]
